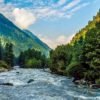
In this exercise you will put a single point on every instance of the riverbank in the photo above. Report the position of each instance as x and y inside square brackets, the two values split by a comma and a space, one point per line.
[4, 67]
[77, 81]
[3, 70]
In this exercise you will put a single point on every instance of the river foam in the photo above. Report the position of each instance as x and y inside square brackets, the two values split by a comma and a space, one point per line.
[44, 86]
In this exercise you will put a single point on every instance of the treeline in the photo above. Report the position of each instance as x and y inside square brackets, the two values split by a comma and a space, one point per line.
[6, 56]
[32, 59]
[81, 58]
[27, 59]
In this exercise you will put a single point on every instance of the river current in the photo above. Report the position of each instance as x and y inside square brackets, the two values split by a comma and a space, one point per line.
[43, 86]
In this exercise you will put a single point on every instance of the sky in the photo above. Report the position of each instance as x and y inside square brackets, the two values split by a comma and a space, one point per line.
[55, 22]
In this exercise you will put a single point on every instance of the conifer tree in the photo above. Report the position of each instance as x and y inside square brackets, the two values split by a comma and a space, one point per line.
[0, 50]
[8, 55]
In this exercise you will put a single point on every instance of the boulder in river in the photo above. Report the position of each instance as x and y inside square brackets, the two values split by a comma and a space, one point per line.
[17, 72]
[30, 81]
[77, 82]
[95, 86]
[8, 84]
[82, 82]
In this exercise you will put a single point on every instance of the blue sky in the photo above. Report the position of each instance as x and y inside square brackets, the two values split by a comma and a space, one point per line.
[54, 21]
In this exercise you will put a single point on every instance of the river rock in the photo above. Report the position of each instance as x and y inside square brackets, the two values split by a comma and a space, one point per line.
[77, 82]
[95, 86]
[8, 84]
[82, 82]
[30, 81]
[17, 72]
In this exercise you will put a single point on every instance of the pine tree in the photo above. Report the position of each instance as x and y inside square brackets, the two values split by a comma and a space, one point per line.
[21, 59]
[8, 55]
[91, 53]
[0, 50]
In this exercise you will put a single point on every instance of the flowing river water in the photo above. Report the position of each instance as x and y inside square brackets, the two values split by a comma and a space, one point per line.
[43, 86]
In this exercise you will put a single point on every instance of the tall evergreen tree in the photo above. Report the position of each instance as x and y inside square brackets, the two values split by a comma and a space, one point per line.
[91, 53]
[0, 50]
[8, 55]
[21, 59]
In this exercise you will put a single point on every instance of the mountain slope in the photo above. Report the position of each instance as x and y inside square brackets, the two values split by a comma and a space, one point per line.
[82, 32]
[36, 39]
[21, 39]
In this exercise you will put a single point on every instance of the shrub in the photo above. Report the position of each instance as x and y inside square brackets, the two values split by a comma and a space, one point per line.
[76, 70]
[4, 65]
[33, 63]
[98, 81]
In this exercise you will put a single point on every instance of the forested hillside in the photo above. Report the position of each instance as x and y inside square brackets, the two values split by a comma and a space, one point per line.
[81, 57]
[21, 39]
[82, 32]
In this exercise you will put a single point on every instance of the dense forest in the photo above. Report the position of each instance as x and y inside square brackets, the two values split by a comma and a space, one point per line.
[27, 59]
[81, 57]
[32, 59]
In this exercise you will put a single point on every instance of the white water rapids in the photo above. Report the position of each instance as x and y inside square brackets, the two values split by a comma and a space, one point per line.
[44, 86]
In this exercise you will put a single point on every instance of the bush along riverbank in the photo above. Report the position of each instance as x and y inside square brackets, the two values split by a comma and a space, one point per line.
[6, 57]
[4, 67]
[80, 58]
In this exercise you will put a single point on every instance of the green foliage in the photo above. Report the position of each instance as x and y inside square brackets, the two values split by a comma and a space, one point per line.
[80, 58]
[82, 33]
[1, 50]
[76, 70]
[8, 54]
[21, 59]
[91, 75]
[33, 63]
[32, 59]
[98, 81]
[60, 57]
[92, 49]
[4, 65]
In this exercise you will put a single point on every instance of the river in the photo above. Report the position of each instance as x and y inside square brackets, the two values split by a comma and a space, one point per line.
[43, 86]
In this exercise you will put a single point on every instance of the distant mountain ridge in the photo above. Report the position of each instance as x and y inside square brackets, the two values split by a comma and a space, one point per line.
[21, 39]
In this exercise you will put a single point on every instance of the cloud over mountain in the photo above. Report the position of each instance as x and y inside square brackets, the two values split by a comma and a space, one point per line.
[23, 18]
[60, 40]
[19, 11]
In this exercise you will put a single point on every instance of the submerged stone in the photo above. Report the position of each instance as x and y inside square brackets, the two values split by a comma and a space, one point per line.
[30, 81]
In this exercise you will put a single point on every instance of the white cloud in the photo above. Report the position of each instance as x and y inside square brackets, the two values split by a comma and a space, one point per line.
[6, 9]
[23, 18]
[71, 12]
[1, 1]
[71, 4]
[48, 41]
[59, 3]
[66, 11]
[79, 7]
[53, 43]
[64, 39]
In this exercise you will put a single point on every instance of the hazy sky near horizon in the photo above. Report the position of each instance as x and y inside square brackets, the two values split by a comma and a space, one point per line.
[54, 21]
